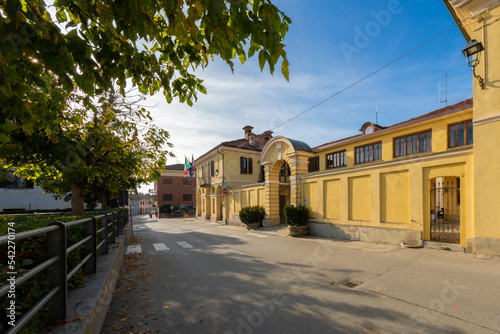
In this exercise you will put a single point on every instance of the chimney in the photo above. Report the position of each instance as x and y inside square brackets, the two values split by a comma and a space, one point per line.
[248, 130]
[264, 138]
[251, 139]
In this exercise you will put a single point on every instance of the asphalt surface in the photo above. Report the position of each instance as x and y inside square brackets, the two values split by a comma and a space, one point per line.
[188, 276]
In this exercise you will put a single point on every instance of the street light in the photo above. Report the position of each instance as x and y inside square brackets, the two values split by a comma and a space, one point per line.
[472, 53]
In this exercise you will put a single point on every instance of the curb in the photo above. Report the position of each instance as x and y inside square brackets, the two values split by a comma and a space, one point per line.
[88, 306]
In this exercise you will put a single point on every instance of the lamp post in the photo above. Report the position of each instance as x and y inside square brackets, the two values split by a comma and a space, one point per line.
[472, 52]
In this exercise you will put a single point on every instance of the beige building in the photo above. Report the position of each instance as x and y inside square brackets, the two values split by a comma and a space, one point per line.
[228, 165]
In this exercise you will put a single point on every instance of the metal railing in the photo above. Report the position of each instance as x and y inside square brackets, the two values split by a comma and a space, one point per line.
[56, 265]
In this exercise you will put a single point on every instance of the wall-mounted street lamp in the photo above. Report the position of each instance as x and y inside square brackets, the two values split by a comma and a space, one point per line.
[472, 52]
[216, 173]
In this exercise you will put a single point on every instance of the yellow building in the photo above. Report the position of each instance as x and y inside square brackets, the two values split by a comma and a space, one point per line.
[435, 177]
[408, 182]
[230, 164]
[479, 20]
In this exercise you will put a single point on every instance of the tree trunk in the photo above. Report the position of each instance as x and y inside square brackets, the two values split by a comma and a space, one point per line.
[77, 202]
[105, 200]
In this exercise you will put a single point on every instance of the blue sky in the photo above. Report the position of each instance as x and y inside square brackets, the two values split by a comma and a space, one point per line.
[330, 45]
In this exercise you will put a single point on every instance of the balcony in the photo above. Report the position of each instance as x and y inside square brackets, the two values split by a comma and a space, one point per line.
[204, 181]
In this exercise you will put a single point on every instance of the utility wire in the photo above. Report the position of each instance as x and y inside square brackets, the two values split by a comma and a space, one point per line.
[357, 82]
[363, 79]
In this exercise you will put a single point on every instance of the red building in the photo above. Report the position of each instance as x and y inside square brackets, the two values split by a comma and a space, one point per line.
[175, 189]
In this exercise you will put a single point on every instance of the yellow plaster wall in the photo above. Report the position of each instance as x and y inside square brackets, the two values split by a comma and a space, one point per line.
[229, 205]
[261, 197]
[487, 180]
[240, 197]
[244, 199]
[367, 188]
[438, 126]
[395, 197]
[487, 134]
[310, 193]
[237, 202]
[359, 198]
[252, 199]
[332, 199]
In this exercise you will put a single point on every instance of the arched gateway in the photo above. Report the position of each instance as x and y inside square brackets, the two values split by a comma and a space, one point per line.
[284, 161]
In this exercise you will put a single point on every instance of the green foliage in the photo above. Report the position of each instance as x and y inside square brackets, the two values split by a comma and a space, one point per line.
[32, 252]
[59, 124]
[101, 151]
[252, 214]
[87, 46]
[296, 216]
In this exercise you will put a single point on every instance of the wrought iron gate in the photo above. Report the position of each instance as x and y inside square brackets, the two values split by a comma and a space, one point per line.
[445, 213]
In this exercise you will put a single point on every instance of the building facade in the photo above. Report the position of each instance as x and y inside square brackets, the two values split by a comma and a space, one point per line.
[175, 189]
[231, 164]
[140, 204]
[405, 183]
[432, 178]
[18, 194]
[478, 19]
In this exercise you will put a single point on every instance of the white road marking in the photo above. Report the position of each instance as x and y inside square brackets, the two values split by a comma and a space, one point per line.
[160, 247]
[184, 244]
[258, 235]
[132, 249]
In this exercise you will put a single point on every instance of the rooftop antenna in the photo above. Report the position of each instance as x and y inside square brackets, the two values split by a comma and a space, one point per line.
[446, 90]
[376, 115]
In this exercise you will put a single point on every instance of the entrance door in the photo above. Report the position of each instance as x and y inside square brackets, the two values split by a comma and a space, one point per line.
[282, 206]
[445, 212]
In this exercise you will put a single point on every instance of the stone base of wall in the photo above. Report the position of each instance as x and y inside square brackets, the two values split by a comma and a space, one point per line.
[484, 246]
[366, 233]
[234, 220]
[214, 219]
[268, 222]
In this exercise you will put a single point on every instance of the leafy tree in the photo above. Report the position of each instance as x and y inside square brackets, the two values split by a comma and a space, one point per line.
[98, 153]
[51, 62]
[89, 45]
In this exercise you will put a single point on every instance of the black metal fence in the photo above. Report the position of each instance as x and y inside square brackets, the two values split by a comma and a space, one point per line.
[445, 213]
[110, 226]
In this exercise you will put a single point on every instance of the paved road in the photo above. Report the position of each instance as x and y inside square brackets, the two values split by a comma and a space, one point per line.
[187, 276]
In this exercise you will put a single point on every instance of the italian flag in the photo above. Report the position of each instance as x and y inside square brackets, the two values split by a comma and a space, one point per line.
[187, 166]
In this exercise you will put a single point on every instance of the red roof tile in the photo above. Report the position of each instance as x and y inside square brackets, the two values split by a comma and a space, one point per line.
[453, 108]
[241, 143]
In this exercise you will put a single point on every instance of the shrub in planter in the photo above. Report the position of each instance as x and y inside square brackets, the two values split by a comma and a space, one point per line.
[296, 215]
[296, 218]
[252, 216]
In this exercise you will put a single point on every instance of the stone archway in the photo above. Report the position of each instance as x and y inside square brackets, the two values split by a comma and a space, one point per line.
[279, 152]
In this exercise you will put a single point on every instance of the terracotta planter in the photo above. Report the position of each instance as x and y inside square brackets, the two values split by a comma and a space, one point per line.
[296, 231]
[251, 226]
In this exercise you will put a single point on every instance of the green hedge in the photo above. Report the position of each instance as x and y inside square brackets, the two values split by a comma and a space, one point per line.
[32, 252]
